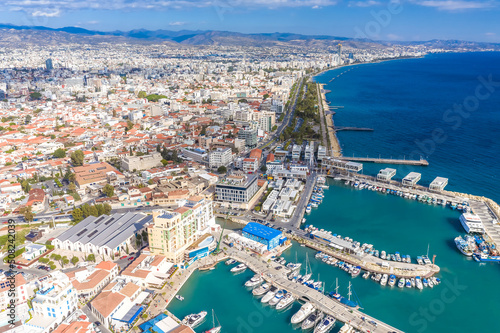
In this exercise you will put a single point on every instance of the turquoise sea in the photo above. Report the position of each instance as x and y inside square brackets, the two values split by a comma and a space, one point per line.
[436, 107]
[403, 101]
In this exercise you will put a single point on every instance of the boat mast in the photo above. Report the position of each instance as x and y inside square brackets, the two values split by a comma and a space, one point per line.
[337, 285]
[349, 289]
[428, 245]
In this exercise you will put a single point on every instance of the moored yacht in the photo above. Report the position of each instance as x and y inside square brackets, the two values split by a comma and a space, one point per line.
[254, 281]
[418, 283]
[261, 290]
[285, 301]
[278, 297]
[195, 319]
[325, 325]
[305, 310]
[239, 268]
[312, 320]
[401, 283]
[269, 295]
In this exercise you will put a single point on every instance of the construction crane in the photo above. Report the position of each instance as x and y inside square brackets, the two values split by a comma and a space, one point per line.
[217, 249]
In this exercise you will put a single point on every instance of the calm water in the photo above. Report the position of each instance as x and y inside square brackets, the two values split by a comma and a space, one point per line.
[389, 223]
[406, 101]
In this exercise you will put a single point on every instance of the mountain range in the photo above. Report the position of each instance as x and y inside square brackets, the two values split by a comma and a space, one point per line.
[14, 34]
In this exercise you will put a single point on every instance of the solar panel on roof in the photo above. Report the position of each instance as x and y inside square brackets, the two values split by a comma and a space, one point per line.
[110, 220]
[81, 232]
[92, 233]
[102, 217]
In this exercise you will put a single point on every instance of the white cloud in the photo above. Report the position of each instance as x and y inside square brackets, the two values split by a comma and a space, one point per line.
[490, 34]
[53, 13]
[455, 5]
[394, 37]
[40, 6]
[92, 22]
[177, 23]
[367, 3]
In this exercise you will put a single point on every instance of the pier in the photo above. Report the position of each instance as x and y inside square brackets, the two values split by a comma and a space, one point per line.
[421, 162]
[322, 302]
[347, 128]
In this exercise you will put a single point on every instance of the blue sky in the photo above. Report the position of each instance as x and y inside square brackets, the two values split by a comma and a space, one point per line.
[375, 19]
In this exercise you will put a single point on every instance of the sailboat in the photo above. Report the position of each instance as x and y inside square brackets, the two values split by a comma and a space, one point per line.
[214, 329]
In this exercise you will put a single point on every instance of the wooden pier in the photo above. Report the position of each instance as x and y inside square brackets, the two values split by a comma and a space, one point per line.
[339, 311]
[421, 162]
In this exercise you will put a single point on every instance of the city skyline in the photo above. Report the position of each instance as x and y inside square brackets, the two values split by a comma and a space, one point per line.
[412, 20]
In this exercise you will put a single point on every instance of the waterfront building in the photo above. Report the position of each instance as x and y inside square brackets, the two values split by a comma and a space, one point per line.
[88, 281]
[343, 165]
[55, 300]
[245, 242]
[270, 237]
[411, 179]
[104, 235]
[131, 163]
[148, 271]
[236, 188]
[220, 157]
[438, 184]
[118, 304]
[386, 174]
[174, 231]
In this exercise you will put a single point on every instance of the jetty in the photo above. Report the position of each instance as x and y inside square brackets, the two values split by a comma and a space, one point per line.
[339, 311]
[350, 128]
[420, 162]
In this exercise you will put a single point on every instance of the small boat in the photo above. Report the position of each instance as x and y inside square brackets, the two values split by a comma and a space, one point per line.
[254, 281]
[269, 295]
[401, 283]
[230, 261]
[425, 282]
[419, 260]
[382, 255]
[366, 275]
[285, 301]
[312, 320]
[408, 283]
[304, 311]
[426, 260]
[355, 271]
[412, 282]
[392, 280]
[431, 284]
[378, 277]
[383, 280]
[179, 297]
[195, 319]
[239, 268]
[418, 283]
[261, 290]
[325, 325]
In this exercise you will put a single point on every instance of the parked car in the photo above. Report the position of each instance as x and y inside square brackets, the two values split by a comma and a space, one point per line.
[130, 258]
[123, 257]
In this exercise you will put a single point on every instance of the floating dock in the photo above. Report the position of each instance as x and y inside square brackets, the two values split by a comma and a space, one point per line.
[322, 302]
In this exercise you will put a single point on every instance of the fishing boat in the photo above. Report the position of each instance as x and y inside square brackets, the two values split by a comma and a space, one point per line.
[269, 295]
[312, 320]
[418, 283]
[325, 325]
[383, 280]
[408, 283]
[425, 282]
[426, 260]
[401, 283]
[285, 301]
[355, 271]
[392, 280]
[261, 290]
[304, 311]
[366, 275]
[254, 281]
[239, 268]
[195, 319]
[179, 297]
[277, 298]
[419, 260]
[308, 209]
[382, 255]
[230, 261]
[463, 246]
[412, 280]
[214, 329]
